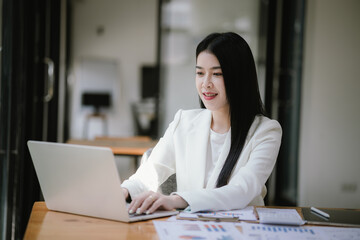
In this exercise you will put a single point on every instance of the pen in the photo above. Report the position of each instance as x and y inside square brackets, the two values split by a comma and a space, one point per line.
[321, 213]
[218, 219]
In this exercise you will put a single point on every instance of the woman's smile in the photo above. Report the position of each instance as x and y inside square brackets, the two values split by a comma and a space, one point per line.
[209, 95]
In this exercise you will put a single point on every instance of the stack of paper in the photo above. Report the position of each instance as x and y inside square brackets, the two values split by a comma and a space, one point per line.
[247, 214]
[279, 216]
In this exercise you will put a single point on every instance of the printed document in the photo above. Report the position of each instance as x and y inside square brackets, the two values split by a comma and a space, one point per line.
[169, 230]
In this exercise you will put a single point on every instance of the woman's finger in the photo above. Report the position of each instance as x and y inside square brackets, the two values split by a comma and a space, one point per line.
[164, 202]
[138, 201]
[135, 203]
[147, 203]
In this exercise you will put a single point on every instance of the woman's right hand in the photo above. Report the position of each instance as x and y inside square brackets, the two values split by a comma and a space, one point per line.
[149, 202]
[126, 192]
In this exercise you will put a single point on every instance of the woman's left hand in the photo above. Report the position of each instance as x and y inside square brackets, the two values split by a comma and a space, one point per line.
[150, 201]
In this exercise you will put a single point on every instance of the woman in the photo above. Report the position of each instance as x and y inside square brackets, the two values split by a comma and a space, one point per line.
[222, 155]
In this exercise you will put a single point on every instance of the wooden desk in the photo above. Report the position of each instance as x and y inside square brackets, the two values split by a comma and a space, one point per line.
[120, 146]
[46, 224]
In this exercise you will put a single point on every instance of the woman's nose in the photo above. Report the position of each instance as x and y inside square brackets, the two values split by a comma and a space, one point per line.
[207, 82]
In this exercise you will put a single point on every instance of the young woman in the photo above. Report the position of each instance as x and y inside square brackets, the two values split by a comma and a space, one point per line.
[223, 153]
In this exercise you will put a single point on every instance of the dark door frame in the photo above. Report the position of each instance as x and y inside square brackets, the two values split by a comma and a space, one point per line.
[30, 33]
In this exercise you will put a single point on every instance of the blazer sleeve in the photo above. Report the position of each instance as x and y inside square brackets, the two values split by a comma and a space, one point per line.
[160, 165]
[247, 179]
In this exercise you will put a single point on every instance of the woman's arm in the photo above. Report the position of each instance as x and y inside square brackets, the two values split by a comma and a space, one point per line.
[160, 165]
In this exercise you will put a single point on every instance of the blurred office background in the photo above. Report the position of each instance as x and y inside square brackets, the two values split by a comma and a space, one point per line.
[135, 59]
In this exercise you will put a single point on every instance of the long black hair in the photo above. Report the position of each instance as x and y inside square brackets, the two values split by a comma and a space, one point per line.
[242, 90]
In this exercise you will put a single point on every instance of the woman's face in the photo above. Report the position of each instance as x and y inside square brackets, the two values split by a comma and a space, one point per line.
[210, 83]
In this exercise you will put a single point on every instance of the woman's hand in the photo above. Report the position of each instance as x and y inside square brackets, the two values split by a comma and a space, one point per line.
[149, 202]
[126, 192]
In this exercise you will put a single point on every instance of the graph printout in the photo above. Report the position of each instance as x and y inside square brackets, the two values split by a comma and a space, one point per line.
[280, 232]
[169, 230]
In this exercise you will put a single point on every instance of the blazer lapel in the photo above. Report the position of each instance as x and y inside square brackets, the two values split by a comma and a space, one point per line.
[196, 149]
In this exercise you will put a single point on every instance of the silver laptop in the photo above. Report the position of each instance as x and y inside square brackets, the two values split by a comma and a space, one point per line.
[82, 180]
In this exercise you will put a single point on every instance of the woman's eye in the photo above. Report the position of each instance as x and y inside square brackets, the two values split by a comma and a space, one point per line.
[199, 73]
[217, 74]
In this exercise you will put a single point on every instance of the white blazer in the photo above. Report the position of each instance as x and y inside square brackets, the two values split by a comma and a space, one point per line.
[182, 150]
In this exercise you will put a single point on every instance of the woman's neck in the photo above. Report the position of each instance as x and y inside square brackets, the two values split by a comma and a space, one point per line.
[220, 122]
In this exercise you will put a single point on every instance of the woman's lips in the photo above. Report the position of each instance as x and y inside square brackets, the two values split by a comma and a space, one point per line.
[209, 95]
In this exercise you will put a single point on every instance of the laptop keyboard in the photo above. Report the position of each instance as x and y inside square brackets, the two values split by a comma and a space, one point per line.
[137, 214]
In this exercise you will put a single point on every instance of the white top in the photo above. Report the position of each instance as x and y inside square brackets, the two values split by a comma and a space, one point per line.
[183, 150]
[216, 145]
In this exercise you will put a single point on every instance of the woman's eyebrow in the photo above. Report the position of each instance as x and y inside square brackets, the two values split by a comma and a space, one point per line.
[215, 67]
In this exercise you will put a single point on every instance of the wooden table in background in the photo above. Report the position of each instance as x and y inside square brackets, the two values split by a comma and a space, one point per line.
[132, 146]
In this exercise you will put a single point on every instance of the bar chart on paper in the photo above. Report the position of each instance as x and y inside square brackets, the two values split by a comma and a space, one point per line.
[270, 232]
[282, 229]
[267, 232]
[214, 228]
[196, 230]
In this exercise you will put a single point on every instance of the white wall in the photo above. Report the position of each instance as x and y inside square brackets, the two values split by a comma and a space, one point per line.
[128, 41]
[329, 160]
[110, 60]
